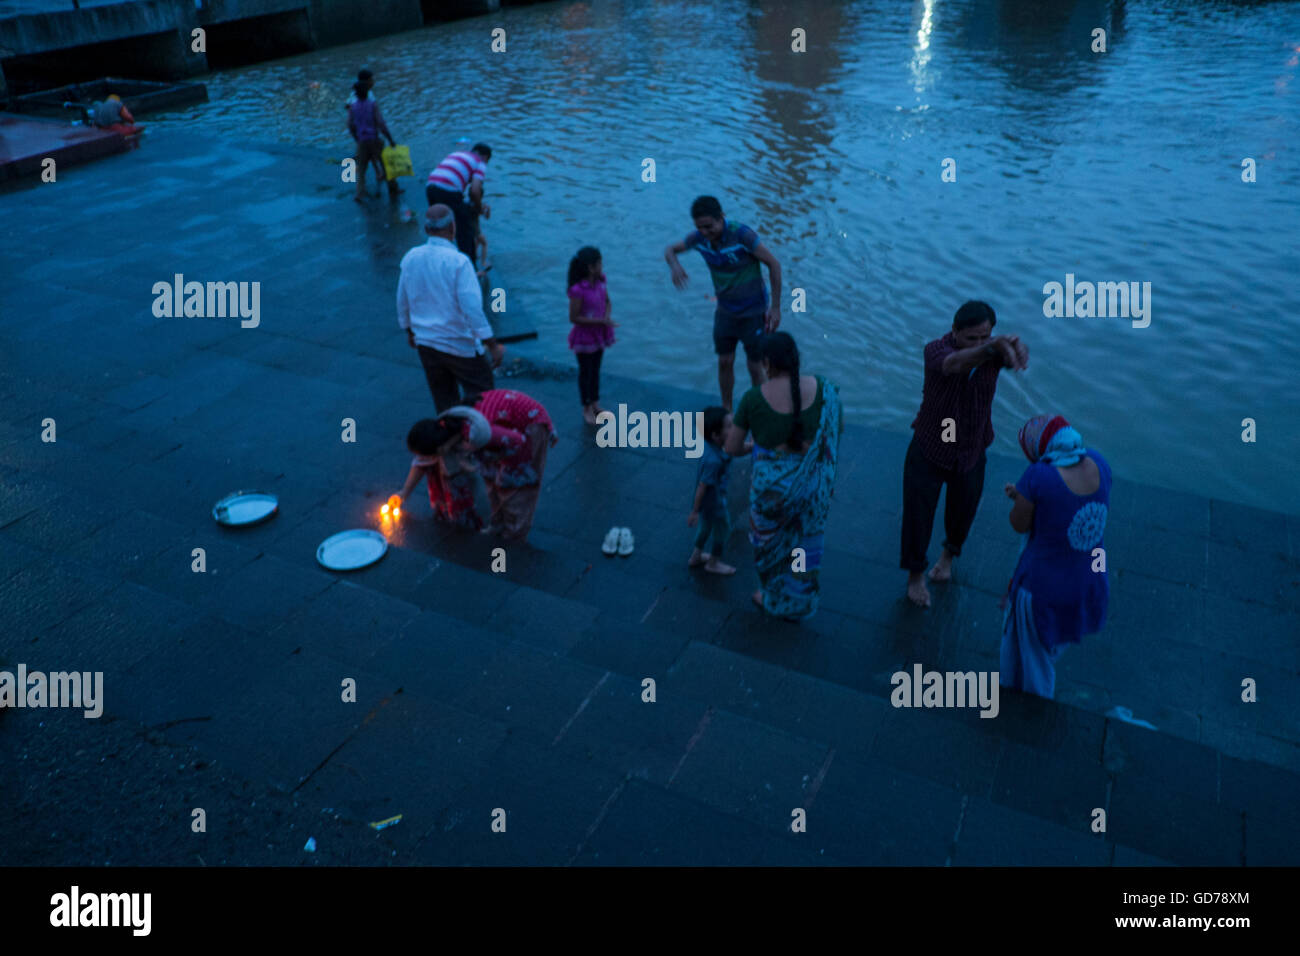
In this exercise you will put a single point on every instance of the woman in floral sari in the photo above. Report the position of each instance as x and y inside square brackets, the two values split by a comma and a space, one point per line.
[443, 455]
[505, 437]
[796, 424]
[514, 460]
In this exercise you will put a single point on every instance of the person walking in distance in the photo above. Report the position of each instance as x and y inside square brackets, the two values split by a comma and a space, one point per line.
[366, 124]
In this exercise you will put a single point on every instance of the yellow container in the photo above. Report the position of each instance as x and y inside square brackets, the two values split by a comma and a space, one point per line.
[397, 161]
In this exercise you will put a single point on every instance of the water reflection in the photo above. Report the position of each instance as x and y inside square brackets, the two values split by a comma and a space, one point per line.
[791, 148]
[1115, 166]
[1043, 49]
[921, 56]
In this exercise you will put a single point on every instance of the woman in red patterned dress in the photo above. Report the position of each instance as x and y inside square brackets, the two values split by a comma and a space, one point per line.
[505, 436]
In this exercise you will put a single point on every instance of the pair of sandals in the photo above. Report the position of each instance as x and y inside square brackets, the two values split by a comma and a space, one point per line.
[618, 541]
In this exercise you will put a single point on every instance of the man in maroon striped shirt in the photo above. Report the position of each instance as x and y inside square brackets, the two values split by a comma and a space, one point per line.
[950, 435]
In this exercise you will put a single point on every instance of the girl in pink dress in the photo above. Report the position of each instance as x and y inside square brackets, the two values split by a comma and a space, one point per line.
[593, 330]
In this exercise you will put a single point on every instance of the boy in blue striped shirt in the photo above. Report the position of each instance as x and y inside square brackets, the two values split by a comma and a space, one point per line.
[732, 252]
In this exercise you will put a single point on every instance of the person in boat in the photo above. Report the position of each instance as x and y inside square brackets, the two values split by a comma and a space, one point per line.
[112, 114]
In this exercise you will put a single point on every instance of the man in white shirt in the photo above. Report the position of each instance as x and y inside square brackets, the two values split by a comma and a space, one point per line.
[440, 305]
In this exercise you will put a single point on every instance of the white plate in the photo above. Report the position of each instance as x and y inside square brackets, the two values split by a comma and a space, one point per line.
[245, 508]
[349, 550]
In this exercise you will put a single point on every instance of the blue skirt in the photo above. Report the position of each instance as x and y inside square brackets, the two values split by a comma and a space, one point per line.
[1026, 665]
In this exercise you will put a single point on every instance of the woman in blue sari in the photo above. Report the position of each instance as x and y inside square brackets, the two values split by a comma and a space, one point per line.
[1059, 590]
[796, 425]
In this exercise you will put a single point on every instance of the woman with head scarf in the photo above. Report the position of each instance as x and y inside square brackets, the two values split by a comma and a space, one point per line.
[1059, 591]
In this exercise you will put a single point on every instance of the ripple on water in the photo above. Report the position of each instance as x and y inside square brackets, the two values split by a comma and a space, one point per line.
[1121, 169]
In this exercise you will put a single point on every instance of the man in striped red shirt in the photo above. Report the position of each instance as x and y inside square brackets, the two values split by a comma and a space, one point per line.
[447, 184]
[950, 435]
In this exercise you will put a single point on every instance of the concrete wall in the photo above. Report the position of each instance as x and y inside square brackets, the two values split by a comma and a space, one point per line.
[337, 23]
[155, 35]
[36, 33]
[264, 36]
[221, 11]
[436, 10]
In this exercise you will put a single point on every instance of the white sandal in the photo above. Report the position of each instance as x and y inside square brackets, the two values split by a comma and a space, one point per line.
[624, 542]
[610, 547]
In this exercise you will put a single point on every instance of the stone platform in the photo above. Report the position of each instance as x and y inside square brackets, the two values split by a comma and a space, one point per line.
[522, 690]
[25, 143]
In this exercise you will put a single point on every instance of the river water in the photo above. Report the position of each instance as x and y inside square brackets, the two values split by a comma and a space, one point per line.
[1116, 166]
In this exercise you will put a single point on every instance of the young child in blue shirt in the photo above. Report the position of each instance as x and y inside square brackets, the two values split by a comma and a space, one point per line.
[710, 507]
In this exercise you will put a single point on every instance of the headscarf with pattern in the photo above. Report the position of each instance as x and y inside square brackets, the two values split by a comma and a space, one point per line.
[1051, 440]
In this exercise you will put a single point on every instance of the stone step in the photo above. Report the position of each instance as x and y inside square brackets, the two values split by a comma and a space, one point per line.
[594, 626]
[538, 683]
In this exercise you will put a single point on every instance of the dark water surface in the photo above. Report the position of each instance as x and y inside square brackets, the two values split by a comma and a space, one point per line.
[1120, 166]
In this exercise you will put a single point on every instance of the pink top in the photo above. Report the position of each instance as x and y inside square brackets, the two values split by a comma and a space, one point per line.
[507, 457]
[514, 410]
[593, 299]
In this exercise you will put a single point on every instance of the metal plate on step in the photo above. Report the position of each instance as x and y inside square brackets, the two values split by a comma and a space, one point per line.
[243, 508]
[350, 550]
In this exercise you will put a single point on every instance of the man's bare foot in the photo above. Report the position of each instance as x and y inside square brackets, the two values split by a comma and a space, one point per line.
[698, 557]
[588, 415]
[717, 567]
[917, 592]
[942, 570]
[757, 598]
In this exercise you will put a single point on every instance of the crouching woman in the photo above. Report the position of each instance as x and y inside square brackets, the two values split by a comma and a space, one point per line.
[504, 436]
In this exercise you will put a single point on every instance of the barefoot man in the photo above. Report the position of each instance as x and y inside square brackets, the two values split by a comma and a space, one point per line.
[950, 434]
[732, 252]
